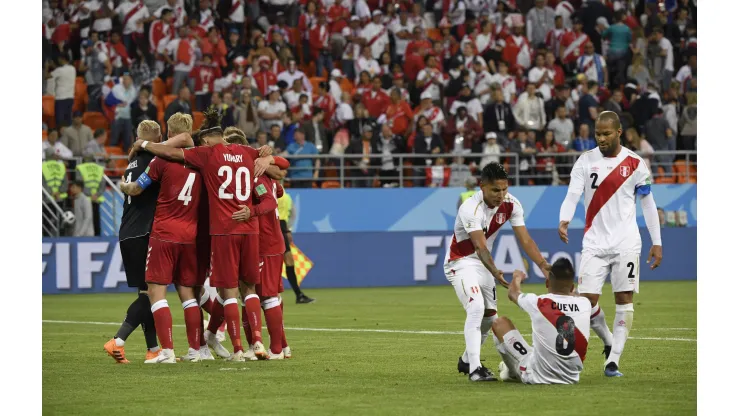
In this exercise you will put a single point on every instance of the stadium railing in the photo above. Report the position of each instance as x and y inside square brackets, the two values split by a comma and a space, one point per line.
[410, 170]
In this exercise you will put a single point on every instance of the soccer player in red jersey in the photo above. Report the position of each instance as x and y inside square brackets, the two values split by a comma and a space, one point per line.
[172, 251]
[267, 191]
[228, 171]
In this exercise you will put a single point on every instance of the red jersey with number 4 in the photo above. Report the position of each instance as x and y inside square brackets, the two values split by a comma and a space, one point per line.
[227, 170]
[178, 203]
[267, 191]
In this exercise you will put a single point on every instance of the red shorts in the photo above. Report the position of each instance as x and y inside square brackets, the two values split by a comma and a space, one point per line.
[234, 258]
[168, 262]
[271, 268]
[204, 259]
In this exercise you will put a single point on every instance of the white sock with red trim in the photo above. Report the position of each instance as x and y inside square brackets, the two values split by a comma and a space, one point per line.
[598, 324]
[622, 326]
[485, 329]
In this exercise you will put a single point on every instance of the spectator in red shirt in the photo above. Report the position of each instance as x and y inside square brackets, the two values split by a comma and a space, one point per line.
[326, 102]
[465, 127]
[399, 114]
[337, 16]
[265, 77]
[320, 51]
[550, 63]
[546, 165]
[216, 47]
[376, 100]
[204, 74]
[305, 23]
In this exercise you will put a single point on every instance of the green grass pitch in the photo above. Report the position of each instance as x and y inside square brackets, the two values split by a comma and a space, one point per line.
[385, 351]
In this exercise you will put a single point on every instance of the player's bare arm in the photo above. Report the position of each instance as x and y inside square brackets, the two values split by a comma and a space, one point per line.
[515, 288]
[274, 172]
[265, 151]
[652, 221]
[131, 188]
[479, 242]
[160, 150]
[261, 165]
[530, 247]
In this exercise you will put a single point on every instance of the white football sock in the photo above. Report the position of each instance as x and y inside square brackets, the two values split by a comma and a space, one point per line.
[485, 329]
[472, 332]
[622, 326]
[598, 324]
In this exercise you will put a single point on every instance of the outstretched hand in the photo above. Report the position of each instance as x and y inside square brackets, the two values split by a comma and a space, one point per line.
[260, 166]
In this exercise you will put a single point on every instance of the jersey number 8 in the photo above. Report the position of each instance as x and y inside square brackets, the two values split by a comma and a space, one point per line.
[242, 183]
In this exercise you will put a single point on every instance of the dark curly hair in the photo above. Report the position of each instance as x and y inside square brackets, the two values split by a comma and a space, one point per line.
[493, 171]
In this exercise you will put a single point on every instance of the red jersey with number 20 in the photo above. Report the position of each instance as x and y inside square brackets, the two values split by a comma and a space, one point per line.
[227, 170]
[560, 329]
[271, 237]
[176, 216]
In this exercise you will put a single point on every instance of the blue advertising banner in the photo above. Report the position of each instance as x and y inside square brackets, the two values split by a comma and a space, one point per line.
[370, 259]
[433, 209]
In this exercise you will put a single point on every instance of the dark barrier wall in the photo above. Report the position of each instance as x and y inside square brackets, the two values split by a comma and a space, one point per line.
[359, 259]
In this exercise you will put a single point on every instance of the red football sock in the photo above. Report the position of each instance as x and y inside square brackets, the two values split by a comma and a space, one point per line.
[274, 319]
[222, 328]
[207, 306]
[202, 330]
[254, 313]
[217, 316]
[231, 315]
[193, 323]
[285, 341]
[245, 324]
[163, 323]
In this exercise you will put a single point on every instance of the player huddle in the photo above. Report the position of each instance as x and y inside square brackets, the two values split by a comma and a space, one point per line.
[612, 178]
[216, 218]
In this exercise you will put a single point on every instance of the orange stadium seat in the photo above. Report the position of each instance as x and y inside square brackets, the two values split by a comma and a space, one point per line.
[48, 112]
[330, 185]
[159, 103]
[95, 120]
[681, 170]
[315, 83]
[434, 34]
[198, 118]
[44, 134]
[347, 86]
[170, 83]
[159, 88]
[168, 99]
[81, 99]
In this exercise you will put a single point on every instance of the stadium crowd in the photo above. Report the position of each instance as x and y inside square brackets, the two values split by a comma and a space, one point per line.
[376, 78]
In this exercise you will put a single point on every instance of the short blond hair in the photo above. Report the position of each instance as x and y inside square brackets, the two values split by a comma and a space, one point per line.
[235, 135]
[148, 129]
[180, 123]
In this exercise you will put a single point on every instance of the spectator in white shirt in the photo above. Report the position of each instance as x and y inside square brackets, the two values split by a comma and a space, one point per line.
[122, 129]
[666, 52]
[403, 33]
[562, 126]
[272, 110]
[64, 91]
[52, 141]
[491, 150]
[529, 110]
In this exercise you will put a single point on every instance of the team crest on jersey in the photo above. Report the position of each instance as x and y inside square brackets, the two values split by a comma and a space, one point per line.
[500, 218]
[624, 171]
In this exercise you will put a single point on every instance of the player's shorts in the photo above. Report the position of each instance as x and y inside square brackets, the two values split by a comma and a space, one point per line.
[284, 230]
[133, 255]
[203, 249]
[234, 258]
[271, 268]
[168, 262]
[526, 362]
[623, 267]
[471, 279]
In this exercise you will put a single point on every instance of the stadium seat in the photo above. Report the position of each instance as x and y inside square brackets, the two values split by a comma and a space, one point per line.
[434, 34]
[662, 178]
[347, 86]
[159, 103]
[80, 102]
[330, 185]
[44, 134]
[198, 118]
[315, 83]
[48, 112]
[159, 88]
[692, 174]
[681, 170]
[170, 83]
[168, 99]
[95, 120]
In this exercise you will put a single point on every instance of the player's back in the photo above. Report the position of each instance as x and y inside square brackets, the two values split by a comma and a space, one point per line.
[227, 171]
[611, 185]
[138, 211]
[560, 329]
[178, 204]
[271, 237]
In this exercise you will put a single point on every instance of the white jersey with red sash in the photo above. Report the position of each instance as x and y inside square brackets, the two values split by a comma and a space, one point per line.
[160, 35]
[130, 13]
[553, 38]
[593, 66]
[179, 11]
[206, 19]
[560, 330]
[485, 43]
[351, 49]
[524, 57]
[508, 85]
[435, 116]
[364, 64]
[429, 76]
[377, 38]
[480, 82]
[236, 11]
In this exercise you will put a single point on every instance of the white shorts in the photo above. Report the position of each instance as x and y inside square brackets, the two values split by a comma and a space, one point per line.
[471, 280]
[623, 267]
[526, 364]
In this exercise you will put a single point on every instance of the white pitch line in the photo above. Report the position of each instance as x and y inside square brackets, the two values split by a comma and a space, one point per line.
[382, 331]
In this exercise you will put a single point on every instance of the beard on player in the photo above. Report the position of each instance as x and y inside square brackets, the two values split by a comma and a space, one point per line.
[608, 133]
